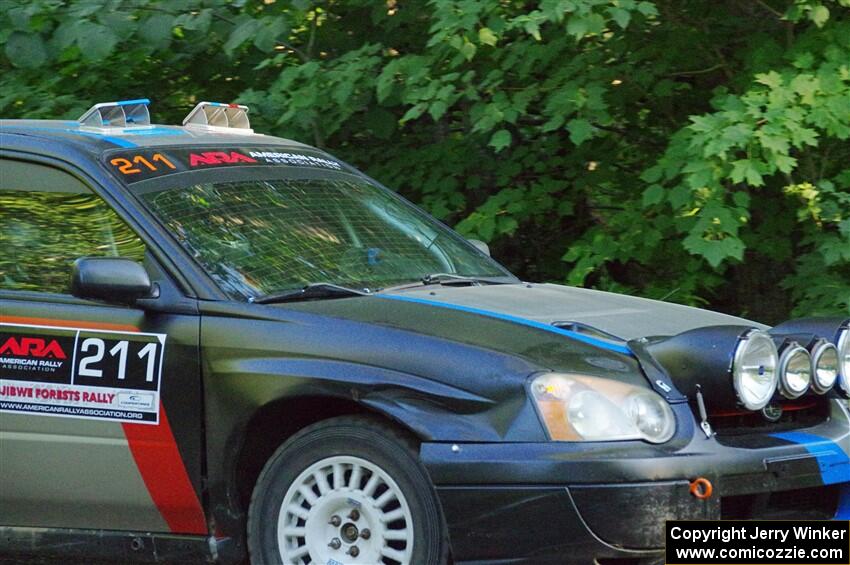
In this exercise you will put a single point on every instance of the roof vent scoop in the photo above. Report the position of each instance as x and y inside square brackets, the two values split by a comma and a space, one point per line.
[126, 113]
[216, 116]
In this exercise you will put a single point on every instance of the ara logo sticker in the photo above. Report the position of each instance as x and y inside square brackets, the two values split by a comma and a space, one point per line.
[32, 347]
[218, 158]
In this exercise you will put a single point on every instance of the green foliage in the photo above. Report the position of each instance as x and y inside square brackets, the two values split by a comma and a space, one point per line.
[691, 150]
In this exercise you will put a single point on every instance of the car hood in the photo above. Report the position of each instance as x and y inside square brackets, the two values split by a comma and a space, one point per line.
[512, 320]
[621, 316]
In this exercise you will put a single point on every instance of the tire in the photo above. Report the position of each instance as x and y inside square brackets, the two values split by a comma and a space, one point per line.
[348, 482]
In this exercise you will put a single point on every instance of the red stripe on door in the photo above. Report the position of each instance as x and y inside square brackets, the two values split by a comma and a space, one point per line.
[165, 476]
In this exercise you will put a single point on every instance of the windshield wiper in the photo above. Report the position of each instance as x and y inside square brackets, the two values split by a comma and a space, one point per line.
[311, 291]
[449, 278]
[439, 278]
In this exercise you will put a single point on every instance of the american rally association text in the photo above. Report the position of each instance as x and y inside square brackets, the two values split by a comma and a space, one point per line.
[756, 533]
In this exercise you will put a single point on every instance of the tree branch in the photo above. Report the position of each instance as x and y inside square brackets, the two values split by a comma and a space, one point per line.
[770, 9]
[698, 71]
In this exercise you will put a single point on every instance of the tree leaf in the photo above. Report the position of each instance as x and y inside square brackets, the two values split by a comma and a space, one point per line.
[20, 18]
[437, 109]
[414, 112]
[577, 26]
[196, 22]
[468, 50]
[741, 199]
[25, 50]
[96, 41]
[621, 16]
[746, 169]
[156, 30]
[804, 136]
[532, 27]
[819, 15]
[647, 9]
[487, 37]
[507, 225]
[715, 251]
[240, 34]
[653, 195]
[500, 140]
[266, 37]
[771, 79]
[580, 130]
[784, 163]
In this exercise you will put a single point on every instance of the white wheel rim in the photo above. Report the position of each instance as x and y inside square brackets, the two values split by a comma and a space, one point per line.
[345, 510]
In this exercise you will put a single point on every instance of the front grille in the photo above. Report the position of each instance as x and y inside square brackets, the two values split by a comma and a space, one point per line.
[802, 413]
[816, 503]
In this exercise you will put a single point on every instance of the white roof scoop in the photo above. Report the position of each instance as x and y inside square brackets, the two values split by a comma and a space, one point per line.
[122, 114]
[220, 117]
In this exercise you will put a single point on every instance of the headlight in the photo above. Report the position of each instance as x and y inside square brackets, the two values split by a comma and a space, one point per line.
[754, 374]
[795, 371]
[825, 358]
[844, 356]
[580, 408]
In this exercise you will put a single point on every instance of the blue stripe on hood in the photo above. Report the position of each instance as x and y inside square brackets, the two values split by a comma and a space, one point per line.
[834, 464]
[622, 349]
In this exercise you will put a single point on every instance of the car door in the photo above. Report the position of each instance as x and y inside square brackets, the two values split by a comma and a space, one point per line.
[100, 404]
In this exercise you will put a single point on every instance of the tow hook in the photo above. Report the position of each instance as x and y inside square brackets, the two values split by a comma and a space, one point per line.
[701, 488]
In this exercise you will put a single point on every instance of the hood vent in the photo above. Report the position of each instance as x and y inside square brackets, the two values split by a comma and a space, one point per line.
[584, 329]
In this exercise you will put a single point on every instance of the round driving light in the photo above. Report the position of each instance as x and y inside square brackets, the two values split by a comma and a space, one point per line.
[844, 357]
[754, 370]
[825, 358]
[795, 371]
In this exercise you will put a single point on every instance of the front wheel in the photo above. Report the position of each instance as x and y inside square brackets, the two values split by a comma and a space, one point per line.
[349, 490]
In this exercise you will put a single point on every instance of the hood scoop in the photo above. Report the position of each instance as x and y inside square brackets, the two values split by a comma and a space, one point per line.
[587, 330]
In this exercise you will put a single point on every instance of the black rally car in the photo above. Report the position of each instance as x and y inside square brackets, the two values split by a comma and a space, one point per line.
[216, 344]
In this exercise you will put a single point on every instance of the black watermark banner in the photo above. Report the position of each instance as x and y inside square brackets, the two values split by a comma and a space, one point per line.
[758, 542]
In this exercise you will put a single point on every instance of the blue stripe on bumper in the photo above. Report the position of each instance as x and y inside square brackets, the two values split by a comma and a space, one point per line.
[834, 464]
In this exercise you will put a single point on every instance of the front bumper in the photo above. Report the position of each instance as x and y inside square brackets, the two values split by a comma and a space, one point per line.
[576, 503]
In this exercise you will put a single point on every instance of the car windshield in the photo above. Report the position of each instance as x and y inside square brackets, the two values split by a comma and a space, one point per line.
[258, 237]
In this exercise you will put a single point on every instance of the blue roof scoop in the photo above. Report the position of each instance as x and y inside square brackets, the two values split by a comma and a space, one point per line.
[122, 114]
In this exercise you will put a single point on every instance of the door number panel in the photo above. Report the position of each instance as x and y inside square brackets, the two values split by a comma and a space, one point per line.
[81, 373]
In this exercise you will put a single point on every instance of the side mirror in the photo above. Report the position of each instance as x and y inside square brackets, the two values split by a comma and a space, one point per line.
[481, 246]
[110, 279]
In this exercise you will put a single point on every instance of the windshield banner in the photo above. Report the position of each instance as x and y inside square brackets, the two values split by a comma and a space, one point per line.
[146, 163]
